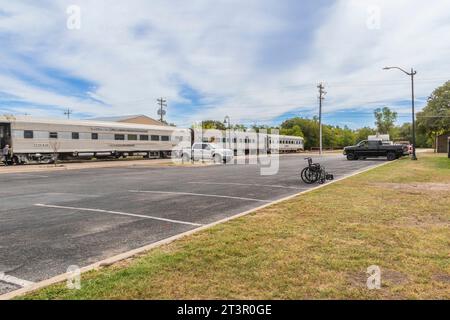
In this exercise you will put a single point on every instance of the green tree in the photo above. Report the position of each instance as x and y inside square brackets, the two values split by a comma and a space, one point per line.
[363, 133]
[384, 119]
[240, 127]
[435, 117]
[404, 133]
[309, 128]
[213, 124]
[294, 131]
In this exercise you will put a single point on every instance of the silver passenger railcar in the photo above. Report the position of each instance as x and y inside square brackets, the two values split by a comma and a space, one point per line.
[250, 142]
[41, 139]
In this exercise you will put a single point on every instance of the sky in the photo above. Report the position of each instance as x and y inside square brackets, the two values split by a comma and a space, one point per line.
[257, 61]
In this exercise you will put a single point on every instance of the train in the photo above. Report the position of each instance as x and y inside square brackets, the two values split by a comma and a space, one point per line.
[44, 140]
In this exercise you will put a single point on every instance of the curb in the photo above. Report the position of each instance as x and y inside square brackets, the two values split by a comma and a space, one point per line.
[109, 261]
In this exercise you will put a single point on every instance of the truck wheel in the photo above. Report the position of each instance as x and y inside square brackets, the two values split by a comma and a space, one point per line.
[351, 156]
[391, 156]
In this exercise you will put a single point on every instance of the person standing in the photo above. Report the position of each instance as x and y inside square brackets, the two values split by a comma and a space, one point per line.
[5, 152]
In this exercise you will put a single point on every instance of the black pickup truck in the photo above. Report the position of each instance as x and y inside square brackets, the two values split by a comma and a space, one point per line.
[372, 149]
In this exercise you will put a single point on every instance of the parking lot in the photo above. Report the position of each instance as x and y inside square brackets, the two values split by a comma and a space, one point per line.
[51, 220]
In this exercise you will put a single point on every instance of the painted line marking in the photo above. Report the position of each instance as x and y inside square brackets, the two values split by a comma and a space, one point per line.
[245, 184]
[199, 195]
[29, 175]
[13, 280]
[118, 213]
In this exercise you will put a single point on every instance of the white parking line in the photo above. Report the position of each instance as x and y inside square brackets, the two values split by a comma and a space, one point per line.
[118, 213]
[30, 175]
[245, 184]
[199, 195]
[13, 280]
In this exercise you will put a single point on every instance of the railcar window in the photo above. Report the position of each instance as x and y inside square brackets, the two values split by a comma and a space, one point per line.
[165, 138]
[75, 135]
[28, 134]
[143, 137]
[155, 138]
[53, 135]
[106, 136]
[94, 136]
[119, 137]
[132, 137]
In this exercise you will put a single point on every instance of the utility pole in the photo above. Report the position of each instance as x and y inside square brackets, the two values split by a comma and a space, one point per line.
[68, 112]
[161, 112]
[227, 121]
[322, 94]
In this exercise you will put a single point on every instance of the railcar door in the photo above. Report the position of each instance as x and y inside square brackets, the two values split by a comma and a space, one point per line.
[5, 134]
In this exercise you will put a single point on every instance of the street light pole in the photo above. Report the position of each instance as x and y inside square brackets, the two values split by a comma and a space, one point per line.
[411, 74]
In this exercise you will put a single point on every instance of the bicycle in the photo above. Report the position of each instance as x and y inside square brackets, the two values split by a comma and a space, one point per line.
[314, 172]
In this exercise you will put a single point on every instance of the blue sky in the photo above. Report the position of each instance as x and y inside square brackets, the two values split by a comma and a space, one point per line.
[258, 61]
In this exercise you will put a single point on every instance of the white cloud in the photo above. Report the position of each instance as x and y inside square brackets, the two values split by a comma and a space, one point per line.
[136, 51]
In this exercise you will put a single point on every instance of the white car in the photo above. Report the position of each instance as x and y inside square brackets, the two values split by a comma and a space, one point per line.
[207, 151]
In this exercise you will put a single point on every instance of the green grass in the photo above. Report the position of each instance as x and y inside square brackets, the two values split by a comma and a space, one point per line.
[316, 246]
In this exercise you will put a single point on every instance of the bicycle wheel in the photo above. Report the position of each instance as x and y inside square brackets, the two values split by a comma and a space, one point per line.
[309, 176]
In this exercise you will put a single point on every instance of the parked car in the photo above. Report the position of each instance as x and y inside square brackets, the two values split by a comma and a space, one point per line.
[373, 149]
[406, 143]
[207, 151]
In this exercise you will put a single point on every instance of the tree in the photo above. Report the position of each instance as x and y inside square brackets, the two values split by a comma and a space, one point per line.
[364, 133]
[55, 145]
[435, 117]
[294, 131]
[213, 124]
[384, 119]
[239, 127]
[265, 128]
[309, 128]
[404, 133]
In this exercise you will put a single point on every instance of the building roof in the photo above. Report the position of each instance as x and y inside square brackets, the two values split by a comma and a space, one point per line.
[117, 118]
[138, 119]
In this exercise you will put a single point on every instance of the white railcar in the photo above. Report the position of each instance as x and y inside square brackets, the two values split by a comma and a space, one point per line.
[251, 142]
[41, 139]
